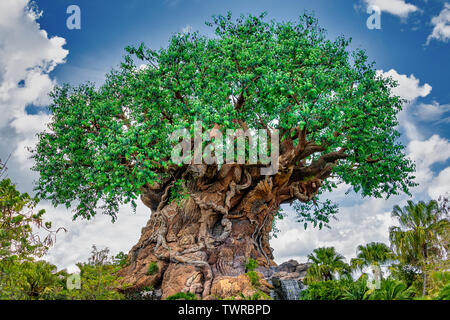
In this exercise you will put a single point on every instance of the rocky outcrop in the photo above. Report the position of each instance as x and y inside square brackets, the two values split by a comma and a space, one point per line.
[290, 270]
[240, 287]
[282, 282]
[287, 280]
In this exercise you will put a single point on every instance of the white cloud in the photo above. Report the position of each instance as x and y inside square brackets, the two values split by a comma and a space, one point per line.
[426, 153]
[409, 87]
[441, 23]
[440, 185]
[431, 112]
[27, 56]
[363, 222]
[75, 245]
[431, 151]
[396, 7]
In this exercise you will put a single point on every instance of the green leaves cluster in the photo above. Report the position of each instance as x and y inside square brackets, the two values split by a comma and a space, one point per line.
[105, 144]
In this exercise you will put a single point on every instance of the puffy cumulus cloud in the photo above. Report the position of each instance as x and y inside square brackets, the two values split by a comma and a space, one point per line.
[431, 111]
[396, 7]
[27, 56]
[440, 185]
[441, 25]
[364, 222]
[408, 87]
[75, 245]
[426, 153]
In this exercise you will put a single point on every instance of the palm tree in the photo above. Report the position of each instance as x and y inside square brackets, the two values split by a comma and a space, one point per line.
[417, 237]
[390, 290]
[326, 262]
[373, 254]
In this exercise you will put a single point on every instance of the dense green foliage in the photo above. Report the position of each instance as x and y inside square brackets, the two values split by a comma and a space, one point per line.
[418, 238]
[98, 278]
[323, 290]
[104, 145]
[372, 254]
[326, 264]
[418, 264]
[251, 265]
[24, 277]
[182, 296]
[152, 268]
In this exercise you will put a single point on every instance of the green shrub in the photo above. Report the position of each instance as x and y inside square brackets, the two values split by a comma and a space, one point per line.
[152, 268]
[182, 296]
[254, 278]
[444, 293]
[251, 265]
[324, 290]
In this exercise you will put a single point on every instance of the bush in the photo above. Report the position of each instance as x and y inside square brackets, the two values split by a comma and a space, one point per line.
[324, 290]
[152, 268]
[182, 296]
[444, 293]
[254, 278]
[251, 265]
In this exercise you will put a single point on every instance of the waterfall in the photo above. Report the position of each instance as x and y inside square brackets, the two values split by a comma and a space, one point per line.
[286, 289]
[291, 289]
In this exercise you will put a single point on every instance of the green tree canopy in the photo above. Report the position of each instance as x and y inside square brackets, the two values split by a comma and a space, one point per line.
[336, 117]
[374, 253]
[326, 263]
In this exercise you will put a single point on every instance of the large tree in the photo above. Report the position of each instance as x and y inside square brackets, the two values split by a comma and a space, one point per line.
[335, 117]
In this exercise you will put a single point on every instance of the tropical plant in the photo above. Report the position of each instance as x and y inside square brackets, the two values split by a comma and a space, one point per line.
[444, 293]
[372, 254]
[18, 239]
[251, 265]
[326, 264]
[324, 290]
[99, 279]
[356, 290]
[391, 290]
[182, 296]
[21, 277]
[417, 237]
[152, 268]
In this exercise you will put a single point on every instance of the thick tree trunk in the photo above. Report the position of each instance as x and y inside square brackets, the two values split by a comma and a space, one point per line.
[223, 220]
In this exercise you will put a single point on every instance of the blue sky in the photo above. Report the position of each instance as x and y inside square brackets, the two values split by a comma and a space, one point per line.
[412, 46]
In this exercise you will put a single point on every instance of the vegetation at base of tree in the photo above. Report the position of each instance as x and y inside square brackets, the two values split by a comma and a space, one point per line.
[254, 278]
[152, 268]
[182, 296]
[121, 259]
[323, 290]
[251, 265]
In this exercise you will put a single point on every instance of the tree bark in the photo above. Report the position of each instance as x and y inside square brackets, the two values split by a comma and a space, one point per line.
[222, 219]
